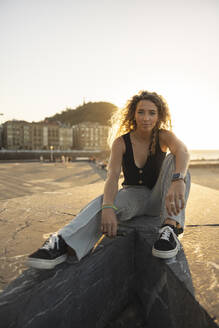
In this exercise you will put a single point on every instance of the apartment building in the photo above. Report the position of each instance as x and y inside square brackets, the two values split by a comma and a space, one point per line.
[53, 136]
[36, 136]
[1, 136]
[65, 138]
[26, 136]
[15, 134]
[90, 136]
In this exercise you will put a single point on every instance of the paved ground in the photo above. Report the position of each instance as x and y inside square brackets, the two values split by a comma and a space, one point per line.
[37, 199]
[206, 176]
[20, 179]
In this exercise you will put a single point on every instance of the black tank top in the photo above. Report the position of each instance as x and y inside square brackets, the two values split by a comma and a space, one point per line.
[145, 176]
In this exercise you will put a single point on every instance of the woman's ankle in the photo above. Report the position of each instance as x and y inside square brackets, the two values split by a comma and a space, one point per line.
[178, 226]
[170, 221]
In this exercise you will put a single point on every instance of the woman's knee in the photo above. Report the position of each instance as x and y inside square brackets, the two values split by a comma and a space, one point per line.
[170, 162]
[122, 204]
[188, 184]
[131, 202]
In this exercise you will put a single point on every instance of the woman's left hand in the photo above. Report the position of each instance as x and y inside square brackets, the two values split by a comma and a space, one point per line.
[175, 198]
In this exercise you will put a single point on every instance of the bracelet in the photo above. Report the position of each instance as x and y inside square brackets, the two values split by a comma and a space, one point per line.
[183, 179]
[109, 206]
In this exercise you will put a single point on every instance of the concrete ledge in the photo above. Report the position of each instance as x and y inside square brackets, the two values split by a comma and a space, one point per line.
[165, 290]
[119, 285]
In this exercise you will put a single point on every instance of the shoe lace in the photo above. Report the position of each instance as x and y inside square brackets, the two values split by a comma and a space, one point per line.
[166, 234]
[50, 242]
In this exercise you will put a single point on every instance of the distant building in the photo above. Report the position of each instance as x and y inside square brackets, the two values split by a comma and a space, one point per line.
[31, 136]
[37, 136]
[90, 136]
[65, 138]
[1, 136]
[14, 135]
[27, 136]
[53, 136]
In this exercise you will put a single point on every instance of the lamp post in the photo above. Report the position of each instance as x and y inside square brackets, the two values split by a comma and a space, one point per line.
[51, 153]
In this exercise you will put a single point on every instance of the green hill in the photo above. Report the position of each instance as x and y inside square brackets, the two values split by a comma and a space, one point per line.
[92, 111]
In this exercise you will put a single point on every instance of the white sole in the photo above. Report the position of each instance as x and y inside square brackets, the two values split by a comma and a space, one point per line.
[165, 254]
[45, 264]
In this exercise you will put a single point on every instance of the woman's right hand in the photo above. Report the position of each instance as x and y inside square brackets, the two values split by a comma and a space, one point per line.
[109, 222]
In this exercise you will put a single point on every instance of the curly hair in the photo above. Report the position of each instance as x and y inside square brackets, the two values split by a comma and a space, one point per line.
[123, 121]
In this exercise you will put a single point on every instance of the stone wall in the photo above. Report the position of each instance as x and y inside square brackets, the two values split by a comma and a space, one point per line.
[119, 285]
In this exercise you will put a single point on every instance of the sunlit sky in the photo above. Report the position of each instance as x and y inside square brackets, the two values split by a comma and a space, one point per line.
[56, 54]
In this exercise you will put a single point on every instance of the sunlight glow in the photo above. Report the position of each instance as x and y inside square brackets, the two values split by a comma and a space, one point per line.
[192, 122]
[54, 55]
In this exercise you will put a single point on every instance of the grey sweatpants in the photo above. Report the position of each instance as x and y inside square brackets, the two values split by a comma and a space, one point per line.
[83, 231]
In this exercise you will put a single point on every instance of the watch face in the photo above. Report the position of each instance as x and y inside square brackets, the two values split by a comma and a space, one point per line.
[176, 175]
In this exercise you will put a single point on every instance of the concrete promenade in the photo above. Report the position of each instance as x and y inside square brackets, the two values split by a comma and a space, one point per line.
[37, 199]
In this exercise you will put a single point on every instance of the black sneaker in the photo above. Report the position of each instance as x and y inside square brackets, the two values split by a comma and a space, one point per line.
[52, 253]
[168, 245]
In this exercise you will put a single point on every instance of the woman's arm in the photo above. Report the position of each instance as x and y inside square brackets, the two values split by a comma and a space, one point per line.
[176, 192]
[177, 148]
[108, 219]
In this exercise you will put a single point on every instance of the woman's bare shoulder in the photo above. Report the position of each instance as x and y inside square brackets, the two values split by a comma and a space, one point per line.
[169, 140]
[163, 133]
[116, 155]
[164, 136]
[118, 144]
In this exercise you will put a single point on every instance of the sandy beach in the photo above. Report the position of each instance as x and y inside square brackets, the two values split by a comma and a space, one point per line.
[37, 199]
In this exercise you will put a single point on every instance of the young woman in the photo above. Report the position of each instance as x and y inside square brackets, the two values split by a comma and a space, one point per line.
[154, 184]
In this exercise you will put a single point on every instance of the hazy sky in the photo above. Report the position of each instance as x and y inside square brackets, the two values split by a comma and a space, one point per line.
[54, 53]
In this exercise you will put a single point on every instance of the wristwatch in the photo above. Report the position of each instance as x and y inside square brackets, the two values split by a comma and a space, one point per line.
[178, 176]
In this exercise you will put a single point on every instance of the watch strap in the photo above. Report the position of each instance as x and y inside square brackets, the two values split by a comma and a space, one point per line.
[178, 176]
